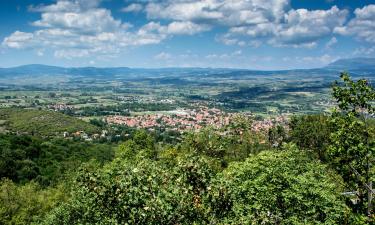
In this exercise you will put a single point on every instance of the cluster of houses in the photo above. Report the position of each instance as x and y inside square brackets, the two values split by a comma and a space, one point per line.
[266, 124]
[84, 136]
[179, 120]
[191, 119]
[60, 107]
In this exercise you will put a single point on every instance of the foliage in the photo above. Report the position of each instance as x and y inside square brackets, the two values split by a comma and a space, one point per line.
[285, 187]
[207, 142]
[142, 142]
[144, 192]
[27, 204]
[233, 143]
[311, 132]
[277, 135]
[353, 144]
[25, 158]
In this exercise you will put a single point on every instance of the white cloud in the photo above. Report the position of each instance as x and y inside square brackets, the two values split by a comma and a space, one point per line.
[81, 28]
[76, 29]
[82, 22]
[312, 60]
[18, 40]
[362, 26]
[134, 7]
[247, 20]
[331, 42]
[186, 27]
[303, 26]
[364, 51]
[183, 10]
[40, 52]
[163, 56]
[72, 29]
[224, 12]
[225, 55]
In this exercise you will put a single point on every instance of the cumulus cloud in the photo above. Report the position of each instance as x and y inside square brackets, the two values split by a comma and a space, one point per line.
[362, 25]
[186, 27]
[84, 22]
[298, 28]
[18, 40]
[81, 28]
[304, 26]
[72, 29]
[247, 20]
[66, 6]
[134, 7]
[229, 13]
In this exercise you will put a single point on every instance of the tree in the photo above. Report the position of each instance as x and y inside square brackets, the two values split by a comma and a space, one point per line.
[142, 144]
[276, 187]
[29, 203]
[137, 192]
[276, 135]
[352, 140]
[311, 132]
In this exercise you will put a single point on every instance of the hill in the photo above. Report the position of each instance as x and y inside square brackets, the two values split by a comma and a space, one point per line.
[42, 122]
[356, 65]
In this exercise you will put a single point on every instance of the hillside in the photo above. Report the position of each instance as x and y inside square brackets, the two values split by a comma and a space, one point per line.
[41, 122]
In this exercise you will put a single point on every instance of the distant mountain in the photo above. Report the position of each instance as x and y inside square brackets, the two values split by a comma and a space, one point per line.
[356, 65]
[37, 69]
[33, 69]
[109, 72]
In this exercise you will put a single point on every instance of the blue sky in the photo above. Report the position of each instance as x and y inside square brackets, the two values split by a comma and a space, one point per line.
[254, 34]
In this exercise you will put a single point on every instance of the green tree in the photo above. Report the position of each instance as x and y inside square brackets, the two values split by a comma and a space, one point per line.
[311, 132]
[276, 187]
[29, 203]
[142, 144]
[352, 140]
[277, 135]
[137, 192]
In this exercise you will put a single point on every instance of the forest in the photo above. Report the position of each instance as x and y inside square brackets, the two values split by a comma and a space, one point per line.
[316, 170]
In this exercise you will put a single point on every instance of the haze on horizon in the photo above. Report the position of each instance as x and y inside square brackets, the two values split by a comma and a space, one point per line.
[253, 34]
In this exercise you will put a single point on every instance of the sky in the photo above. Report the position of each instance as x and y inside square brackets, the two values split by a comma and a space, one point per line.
[249, 34]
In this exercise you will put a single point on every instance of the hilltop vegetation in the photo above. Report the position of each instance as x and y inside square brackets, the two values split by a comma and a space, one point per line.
[273, 186]
[41, 122]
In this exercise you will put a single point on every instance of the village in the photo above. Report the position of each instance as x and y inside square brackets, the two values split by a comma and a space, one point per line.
[190, 120]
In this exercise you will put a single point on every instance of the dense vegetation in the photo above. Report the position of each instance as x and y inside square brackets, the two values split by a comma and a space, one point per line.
[25, 158]
[318, 170]
[41, 122]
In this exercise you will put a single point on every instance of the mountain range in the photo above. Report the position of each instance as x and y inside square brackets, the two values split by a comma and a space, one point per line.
[358, 66]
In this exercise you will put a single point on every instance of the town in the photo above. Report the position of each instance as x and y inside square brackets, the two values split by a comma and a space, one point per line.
[183, 120]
